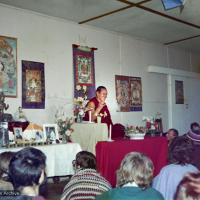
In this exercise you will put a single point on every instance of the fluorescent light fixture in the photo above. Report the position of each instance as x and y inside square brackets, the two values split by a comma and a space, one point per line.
[170, 4]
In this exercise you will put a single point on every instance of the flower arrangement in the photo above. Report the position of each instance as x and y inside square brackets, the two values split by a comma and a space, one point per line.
[135, 129]
[64, 127]
[80, 101]
[151, 121]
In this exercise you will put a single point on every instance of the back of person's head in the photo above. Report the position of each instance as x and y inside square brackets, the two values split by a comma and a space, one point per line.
[5, 158]
[180, 150]
[27, 167]
[194, 126]
[175, 131]
[135, 167]
[85, 159]
[189, 187]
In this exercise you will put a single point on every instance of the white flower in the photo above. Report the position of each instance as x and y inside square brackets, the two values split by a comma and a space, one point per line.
[78, 87]
[81, 112]
[84, 88]
[80, 99]
[68, 133]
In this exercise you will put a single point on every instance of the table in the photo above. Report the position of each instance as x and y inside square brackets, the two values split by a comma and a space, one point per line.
[59, 157]
[110, 154]
[88, 134]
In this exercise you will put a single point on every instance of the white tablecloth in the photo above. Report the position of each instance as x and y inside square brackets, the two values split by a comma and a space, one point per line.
[88, 134]
[59, 157]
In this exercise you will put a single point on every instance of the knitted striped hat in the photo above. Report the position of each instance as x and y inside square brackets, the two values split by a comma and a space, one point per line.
[194, 135]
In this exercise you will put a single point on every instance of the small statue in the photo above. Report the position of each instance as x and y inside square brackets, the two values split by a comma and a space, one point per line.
[3, 105]
[20, 116]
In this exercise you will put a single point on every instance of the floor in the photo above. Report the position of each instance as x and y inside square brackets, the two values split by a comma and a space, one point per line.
[53, 190]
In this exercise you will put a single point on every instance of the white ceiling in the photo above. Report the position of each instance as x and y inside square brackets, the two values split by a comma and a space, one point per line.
[140, 22]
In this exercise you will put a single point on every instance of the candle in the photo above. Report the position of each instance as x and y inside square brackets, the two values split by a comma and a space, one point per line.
[90, 116]
[110, 132]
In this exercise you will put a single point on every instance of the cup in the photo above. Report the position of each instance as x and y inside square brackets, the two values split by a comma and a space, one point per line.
[98, 119]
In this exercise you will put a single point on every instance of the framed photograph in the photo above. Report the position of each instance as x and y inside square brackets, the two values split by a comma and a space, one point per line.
[179, 92]
[8, 66]
[34, 135]
[50, 132]
[4, 137]
[33, 85]
[18, 134]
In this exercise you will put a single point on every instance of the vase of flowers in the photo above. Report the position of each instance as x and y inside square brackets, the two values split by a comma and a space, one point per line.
[152, 124]
[64, 127]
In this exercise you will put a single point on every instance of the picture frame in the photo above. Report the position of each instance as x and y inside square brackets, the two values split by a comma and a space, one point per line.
[18, 134]
[51, 132]
[33, 85]
[8, 66]
[4, 136]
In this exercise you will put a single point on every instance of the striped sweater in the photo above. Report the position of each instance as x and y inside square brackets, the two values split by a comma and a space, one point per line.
[85, 185]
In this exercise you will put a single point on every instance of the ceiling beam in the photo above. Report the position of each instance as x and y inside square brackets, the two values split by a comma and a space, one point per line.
[114, 11]
[180, 40]
[160, 14]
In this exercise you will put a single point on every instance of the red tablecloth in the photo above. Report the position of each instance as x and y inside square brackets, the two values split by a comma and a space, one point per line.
[110, 154]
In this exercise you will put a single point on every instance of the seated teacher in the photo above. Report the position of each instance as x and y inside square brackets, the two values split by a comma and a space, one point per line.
[97, 106]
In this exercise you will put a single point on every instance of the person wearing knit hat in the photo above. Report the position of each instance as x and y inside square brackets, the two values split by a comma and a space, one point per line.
[194, 135]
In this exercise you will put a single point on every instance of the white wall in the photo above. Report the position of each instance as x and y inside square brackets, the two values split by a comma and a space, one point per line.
[49, 40]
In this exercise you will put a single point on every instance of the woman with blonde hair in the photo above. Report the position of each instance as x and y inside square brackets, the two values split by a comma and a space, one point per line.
[133, 180]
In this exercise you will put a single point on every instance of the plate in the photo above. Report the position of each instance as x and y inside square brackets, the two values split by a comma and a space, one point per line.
[136, 136]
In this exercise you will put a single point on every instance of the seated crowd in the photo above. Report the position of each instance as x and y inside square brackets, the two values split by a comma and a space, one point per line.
[23, 173]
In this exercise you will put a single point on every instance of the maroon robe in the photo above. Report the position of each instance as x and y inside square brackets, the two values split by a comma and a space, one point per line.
[106, 119]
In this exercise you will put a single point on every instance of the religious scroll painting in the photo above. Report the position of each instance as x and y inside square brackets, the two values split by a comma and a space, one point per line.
[179, 92]
[33, 85]
[84, 73]
[8, 66]
[122, 92]
[128, 93]
[135, 94]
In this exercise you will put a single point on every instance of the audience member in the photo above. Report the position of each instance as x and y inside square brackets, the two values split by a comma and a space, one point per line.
[189, 187]
[86, 183]
[194, 127]
[194, 136]
[171, 134]
[5, 158]
[133, 180]
[180, 151]
[27, 172]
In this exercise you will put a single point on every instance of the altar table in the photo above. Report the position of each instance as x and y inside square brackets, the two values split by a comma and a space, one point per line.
[59, 157]
[88, 134]
[110, 154]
